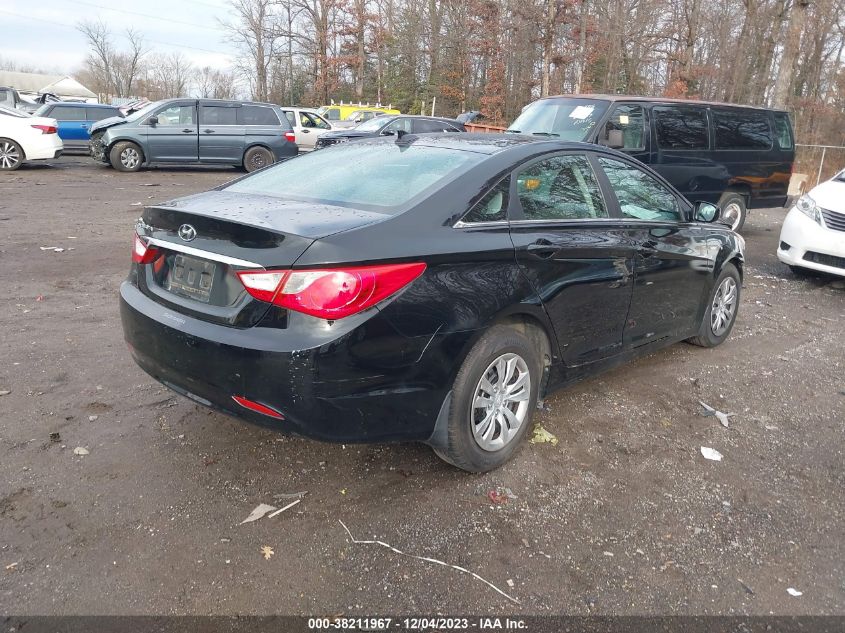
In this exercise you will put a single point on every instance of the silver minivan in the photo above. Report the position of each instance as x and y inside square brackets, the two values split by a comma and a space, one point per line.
[195, 131]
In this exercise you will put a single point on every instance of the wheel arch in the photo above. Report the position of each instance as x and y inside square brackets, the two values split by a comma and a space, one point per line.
[255, 144]
[11, 140]
[127, 139]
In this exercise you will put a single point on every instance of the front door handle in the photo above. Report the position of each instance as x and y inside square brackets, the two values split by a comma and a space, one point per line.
[648, 249]
[188, 130]
[304, 131]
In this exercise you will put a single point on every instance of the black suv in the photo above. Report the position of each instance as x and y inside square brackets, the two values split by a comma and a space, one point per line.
[738, 157]
[389, 125]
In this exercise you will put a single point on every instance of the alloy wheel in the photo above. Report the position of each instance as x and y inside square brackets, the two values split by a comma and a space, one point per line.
[500, 404]
[724, 307]
[10, 155]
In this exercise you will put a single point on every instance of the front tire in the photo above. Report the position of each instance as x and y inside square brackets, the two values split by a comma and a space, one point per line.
[11, 155]
[126, 156]
[733, 209]
[722, 308]
[493, 399]
[257, 158]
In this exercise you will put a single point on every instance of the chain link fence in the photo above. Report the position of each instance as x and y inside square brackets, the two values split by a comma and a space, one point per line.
[814, 163]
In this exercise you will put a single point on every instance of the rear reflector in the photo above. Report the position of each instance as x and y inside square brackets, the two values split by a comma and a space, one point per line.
[330, 293]
[46, 129]
[258, 407]
[141, 253]
[290, 137]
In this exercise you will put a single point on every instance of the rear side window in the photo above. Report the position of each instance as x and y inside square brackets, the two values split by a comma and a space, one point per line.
[218, 115]
[422, 126]
[332, 114]
[68, 113]
[560, 188]
[783, 130]
[741, 129]
[493, 207]
[98, 114]
[681, 127]
[256, 115]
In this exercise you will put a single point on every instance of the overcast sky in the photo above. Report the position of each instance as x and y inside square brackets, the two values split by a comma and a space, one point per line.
[42, 33]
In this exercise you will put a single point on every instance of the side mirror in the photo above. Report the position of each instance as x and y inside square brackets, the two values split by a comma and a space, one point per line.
[153, 120]
[388, 133]
[614, 139]
[706, 212]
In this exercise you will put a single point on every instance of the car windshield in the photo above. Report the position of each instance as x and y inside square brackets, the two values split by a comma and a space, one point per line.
[140, 114]
[563, 118]
[373, 125]
[385, 177]
[13, 112]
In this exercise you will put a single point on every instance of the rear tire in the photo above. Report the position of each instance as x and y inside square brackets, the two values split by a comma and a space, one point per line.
[126, 156]
[713, 330]
[257, 158]
[11, 155]
[481, 436]
[733, 208]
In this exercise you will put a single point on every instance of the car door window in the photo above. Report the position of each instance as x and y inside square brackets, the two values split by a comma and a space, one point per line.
[560, 188]
[741, 129]
[397, 124]
[627, 119]
[177, 115]
[783, 130]
[681, 127]
[423, 126]
[217, 115]
[333, 114]
[98, 114]
[640, 196]
[493, 207]
[318, 121]
[68, 113]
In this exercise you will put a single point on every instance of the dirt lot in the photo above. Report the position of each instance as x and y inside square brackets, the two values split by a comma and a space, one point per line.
[622, 516]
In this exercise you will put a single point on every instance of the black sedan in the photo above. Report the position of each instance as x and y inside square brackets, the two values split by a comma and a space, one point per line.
[427, 288]
[391, 126]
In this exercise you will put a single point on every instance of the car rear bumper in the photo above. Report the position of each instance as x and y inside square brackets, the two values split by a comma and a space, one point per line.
[811, 245]
[329, 392]
[49, 146]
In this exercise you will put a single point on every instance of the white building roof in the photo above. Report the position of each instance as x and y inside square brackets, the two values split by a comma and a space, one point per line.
[34, 83]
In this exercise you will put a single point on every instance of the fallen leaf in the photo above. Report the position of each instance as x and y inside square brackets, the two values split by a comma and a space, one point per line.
[267, 551]
[794, 592]
[542, 436]
[80, 451]
[260, 510]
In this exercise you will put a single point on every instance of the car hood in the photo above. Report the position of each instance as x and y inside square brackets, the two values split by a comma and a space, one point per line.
[830, 195]
[305, 219]
[107, 123]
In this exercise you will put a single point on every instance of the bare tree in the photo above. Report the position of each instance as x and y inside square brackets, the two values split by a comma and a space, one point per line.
[114, 71]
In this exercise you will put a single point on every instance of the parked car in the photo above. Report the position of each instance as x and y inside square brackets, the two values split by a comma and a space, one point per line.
[75, 120]
[813, 233]
[353, 119]
[195, 131]
[11, 98]
[307, 126]
[737, 157]
[25, 138]
[390, 125]
[336, 113]
[423, 288]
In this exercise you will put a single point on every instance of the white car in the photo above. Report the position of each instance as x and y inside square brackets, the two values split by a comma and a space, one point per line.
[307, 126]
[24, 138]
[813, 233]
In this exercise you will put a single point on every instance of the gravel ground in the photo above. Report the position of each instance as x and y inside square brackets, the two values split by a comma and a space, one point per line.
[622, 516]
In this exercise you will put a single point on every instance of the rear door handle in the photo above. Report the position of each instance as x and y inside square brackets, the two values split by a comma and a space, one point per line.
[648, 249]
[542, 248]
[209, 131]
[188, 130]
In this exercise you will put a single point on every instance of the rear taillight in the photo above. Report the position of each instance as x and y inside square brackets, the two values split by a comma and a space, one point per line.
[290, 137]
[330, 293]
[46, 129]
[142, 253]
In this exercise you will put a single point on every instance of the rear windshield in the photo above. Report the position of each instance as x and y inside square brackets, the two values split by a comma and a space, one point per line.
[385, 177]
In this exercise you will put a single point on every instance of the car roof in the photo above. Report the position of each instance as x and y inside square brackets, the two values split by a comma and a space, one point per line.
[81, 104]
[640, 98]
[480, 142]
